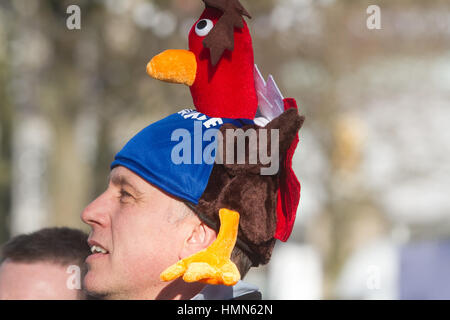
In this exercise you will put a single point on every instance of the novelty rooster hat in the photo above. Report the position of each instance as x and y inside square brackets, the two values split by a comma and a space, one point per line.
[252, 209]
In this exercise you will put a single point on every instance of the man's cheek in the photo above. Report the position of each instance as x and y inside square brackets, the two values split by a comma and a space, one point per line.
[141, 266]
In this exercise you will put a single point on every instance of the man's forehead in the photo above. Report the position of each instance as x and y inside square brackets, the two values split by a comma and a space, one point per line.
[120, 175]
[34, 280]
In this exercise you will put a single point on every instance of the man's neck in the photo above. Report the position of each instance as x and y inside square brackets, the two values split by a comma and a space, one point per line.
[180, 290]
[176, 290]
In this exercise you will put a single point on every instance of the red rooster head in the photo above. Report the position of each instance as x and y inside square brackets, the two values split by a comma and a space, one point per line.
[219, 67]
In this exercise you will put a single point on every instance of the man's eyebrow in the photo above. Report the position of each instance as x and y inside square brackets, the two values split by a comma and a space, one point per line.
[119, 180]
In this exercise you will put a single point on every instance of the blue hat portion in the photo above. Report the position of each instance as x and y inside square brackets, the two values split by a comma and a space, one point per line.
[176, 154]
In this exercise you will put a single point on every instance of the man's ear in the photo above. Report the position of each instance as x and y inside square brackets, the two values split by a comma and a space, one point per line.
[201, 237]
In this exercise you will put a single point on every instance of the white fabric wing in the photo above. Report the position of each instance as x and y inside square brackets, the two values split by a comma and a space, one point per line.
[270, 99]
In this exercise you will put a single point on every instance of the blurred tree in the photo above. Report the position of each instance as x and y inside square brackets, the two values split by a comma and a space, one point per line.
[6, 120]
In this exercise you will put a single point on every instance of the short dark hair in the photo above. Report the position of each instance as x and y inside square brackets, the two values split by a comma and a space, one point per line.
[242, 261]
[63, 246]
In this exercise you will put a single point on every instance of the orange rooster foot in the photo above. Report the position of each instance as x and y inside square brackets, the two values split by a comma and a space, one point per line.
[212, 265]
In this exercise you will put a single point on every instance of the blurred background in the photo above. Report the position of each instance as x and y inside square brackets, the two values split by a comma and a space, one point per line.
[374, 156]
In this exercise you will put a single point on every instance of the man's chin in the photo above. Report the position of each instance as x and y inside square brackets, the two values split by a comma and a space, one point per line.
[94, 285]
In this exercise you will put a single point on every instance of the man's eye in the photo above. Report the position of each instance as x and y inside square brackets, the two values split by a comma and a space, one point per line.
[124, 195]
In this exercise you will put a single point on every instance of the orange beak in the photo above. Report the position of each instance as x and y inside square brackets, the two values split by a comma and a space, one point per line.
[174, 66]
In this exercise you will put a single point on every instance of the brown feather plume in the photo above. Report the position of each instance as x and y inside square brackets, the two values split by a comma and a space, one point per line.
[221, 36]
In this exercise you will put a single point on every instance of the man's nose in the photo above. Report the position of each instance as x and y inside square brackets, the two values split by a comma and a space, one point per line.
[97, 212]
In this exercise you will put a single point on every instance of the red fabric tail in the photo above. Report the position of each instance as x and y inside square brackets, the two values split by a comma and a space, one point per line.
[289, 188]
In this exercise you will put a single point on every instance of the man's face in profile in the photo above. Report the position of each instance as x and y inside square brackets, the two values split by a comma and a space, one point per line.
[35, 281]
[135, 234]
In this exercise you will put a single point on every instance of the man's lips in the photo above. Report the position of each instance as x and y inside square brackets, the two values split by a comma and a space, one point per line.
[97, 249]
[95, 256]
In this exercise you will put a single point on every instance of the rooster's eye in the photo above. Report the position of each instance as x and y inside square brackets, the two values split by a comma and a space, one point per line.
[203, 27]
